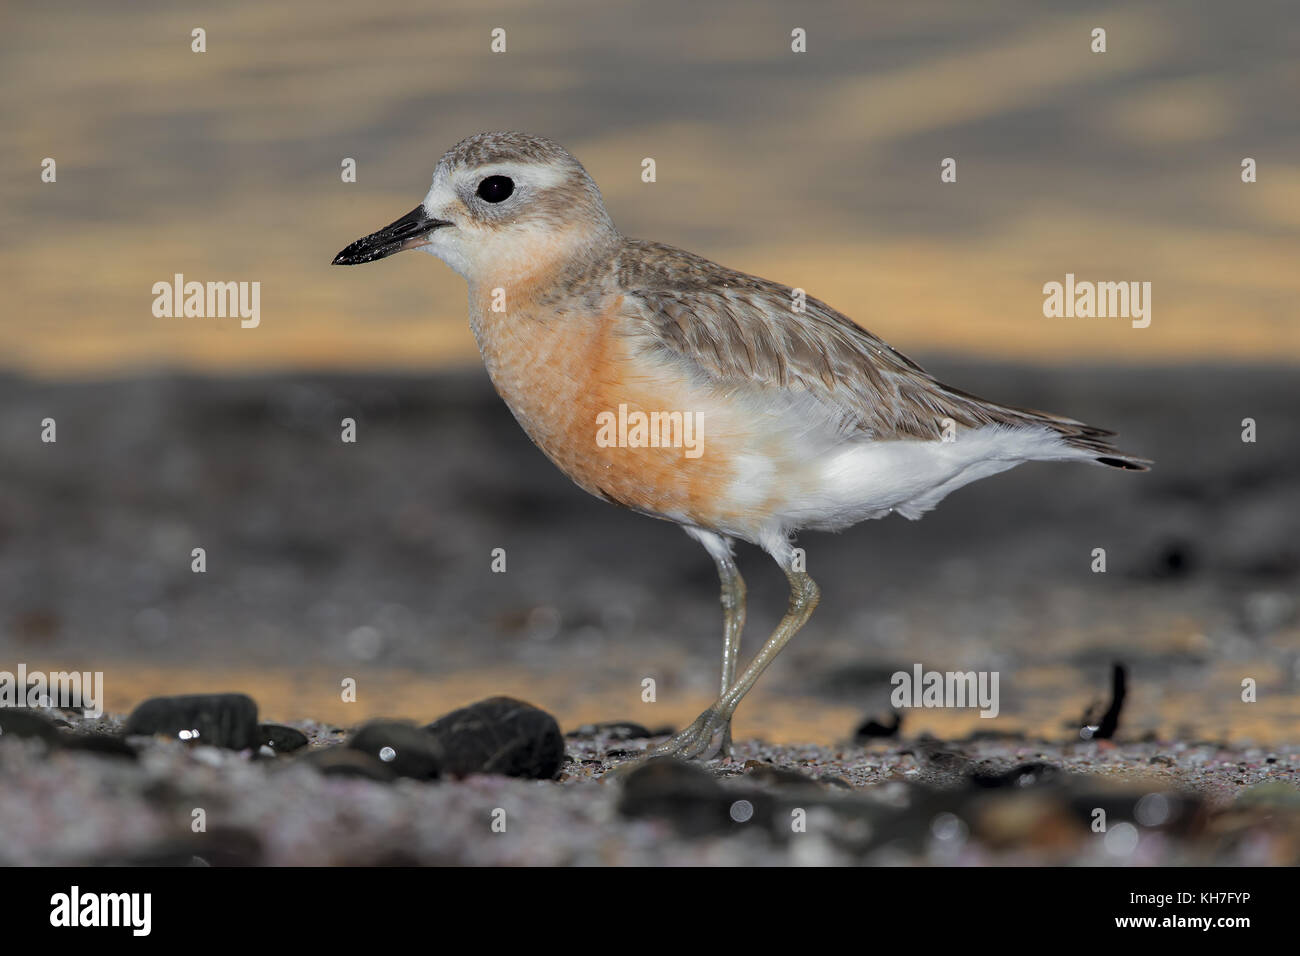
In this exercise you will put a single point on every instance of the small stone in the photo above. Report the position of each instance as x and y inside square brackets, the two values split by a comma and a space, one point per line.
[872, 729]
[218, 720]
[1024, 775]
[689, 798]
[404, 748]
[281, 739]
[346, 762]
[21, 722]
[499, 735]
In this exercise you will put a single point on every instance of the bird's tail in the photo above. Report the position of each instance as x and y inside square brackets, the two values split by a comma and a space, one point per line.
[1103, 452]
[1088, 441]
[1093, 442]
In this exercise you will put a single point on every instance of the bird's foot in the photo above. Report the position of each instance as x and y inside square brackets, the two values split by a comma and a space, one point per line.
[708, 738]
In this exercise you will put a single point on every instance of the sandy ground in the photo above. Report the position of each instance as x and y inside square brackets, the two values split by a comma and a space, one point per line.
[372, 561]
[1003, 801]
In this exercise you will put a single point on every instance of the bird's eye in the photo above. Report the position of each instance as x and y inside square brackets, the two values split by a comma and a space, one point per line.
[496, 189]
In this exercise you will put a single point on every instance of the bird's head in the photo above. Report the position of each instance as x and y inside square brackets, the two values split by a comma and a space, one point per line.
[501, 204]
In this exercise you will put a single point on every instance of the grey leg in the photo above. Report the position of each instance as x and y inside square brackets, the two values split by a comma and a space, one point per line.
[697, 739]
[733, 611]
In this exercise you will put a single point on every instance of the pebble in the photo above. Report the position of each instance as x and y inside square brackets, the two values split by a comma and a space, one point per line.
[281, 739]
[403, 747]
[871, 728]
[499, 735]
[346, 762]
[21, 722]
[691, 799]
[219, 720]
[1024, 775]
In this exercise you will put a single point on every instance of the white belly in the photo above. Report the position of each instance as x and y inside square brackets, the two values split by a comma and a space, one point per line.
[854, 481]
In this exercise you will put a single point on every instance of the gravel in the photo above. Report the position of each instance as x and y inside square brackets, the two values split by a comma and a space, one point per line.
[923, 801]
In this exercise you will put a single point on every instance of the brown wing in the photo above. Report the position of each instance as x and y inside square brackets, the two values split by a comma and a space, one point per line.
[735, 330]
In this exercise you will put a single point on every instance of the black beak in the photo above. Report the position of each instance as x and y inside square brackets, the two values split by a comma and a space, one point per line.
[394, 237]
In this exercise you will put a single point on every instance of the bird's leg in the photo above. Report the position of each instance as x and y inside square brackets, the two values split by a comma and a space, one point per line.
[733, 610]
[733, 622]
[697, 739]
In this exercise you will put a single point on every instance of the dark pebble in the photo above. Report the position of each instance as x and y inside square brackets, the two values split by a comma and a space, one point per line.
[21, 722]
[499, 735]
[689, 798]
[1025, 775]
[871, 728]
[346, 762]
[281, 739]
[404, 748]
[221, 720]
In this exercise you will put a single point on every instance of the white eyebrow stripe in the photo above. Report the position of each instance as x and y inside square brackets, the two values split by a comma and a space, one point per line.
[540, 175]
[536, 175]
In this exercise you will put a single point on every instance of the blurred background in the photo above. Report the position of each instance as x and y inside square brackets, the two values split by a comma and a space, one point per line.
[820, 170]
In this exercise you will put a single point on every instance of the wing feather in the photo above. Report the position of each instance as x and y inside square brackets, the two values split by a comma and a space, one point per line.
[739, 331]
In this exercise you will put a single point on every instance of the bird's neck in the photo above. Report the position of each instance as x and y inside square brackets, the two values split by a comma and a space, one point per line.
[537, 279]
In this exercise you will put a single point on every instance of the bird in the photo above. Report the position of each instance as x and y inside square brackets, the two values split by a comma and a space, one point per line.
[736, 407]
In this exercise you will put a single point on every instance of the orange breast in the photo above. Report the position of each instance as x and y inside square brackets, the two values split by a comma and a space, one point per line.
[597, 409]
